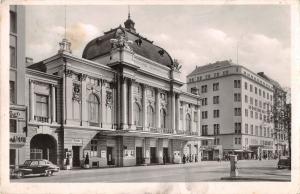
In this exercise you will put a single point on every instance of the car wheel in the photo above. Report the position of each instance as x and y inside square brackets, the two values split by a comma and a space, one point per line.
[47, 173]
[20, 174]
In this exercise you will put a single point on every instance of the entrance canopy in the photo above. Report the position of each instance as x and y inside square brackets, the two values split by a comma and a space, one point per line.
[136, 133]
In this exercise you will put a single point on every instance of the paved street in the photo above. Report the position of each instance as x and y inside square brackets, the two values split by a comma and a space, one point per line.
[205, 171]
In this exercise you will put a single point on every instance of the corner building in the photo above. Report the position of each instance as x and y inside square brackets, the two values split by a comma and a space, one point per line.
[236, 110]
[121, 104]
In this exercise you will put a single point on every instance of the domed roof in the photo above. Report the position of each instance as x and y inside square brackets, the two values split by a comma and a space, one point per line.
[101, 46]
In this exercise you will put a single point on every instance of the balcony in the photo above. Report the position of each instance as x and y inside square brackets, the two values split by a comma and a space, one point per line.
[193, 133]
[161, 130]
[41, 119]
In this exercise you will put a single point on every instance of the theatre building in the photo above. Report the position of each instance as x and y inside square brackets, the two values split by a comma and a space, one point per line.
[121, 104]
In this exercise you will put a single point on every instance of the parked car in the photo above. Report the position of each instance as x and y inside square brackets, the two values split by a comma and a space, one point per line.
[42, 167]
[284, 163]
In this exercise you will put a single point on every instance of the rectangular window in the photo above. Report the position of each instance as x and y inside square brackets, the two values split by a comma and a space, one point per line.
[204, 89]
[251, 113]
[259, 92]
[268, 96]
[260, 104]
[225, 72]
[256, 115]
[251, 88]
[246, 85]
[216, 141]
[204, 142]
[256, 130]
[264, 94]
[237, 97]
[246, 99]
[246, 128]
[237, 128]
[215, 86]
[237, 140]
[256, 102]
[251, 129]
[251, 100]
[246, 141]
[13, 57]
[237, 83]
[13, 22]
[246, 112]
[204, 102]
[260, 131]
[216, 74]
[237, 111]
[255, 90]
[216, 113]
[204, 129]
[207, 76]
[13, 126]
[216, 99]
[41, 108]
[216, 129]
[12, 92]
[204, 114]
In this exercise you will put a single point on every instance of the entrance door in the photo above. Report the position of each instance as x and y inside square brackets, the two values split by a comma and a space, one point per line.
[210, 155]
[12, 156]
[76, 156]
[109, 156]
[139, 155]
[153, 155]
[165, 155]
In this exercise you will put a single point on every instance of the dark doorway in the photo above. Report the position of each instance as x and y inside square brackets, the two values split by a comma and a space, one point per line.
[43, 146]
[139, 155]
[76, 156]
[165, 155]
[109, 156]
[210, 155]
[153, 158]
[12, 156]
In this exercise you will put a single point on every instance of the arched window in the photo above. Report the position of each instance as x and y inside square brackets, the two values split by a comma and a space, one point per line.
[188, 122]
[137, 116]
[163, 115]
[150, 116]
[93, 109]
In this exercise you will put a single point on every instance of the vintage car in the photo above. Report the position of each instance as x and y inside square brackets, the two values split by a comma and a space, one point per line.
[284, 163]
[41, 166]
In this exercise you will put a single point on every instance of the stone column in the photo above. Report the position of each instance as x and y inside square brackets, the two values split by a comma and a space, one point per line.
[130, 105]
[157, 108]
[103, 104]
[144, 107]
[173, 111]
[177, 115]
[32, 100]
[124, 104]
[198, 122]
[192, 118]
[84, 113]
[68, 96]
[53, 103]
[183, 117]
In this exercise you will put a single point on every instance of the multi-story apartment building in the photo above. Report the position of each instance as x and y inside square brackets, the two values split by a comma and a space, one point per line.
[119, 104]
[17, 112]
[279, 117]
[236, 109]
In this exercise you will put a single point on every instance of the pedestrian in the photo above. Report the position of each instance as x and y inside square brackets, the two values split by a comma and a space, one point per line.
[164, 158]
[183, 159]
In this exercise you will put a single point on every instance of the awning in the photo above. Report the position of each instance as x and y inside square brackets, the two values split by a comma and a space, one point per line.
[138, 133]
[238, 150]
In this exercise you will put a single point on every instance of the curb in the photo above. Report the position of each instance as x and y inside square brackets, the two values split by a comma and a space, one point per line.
[244, 178]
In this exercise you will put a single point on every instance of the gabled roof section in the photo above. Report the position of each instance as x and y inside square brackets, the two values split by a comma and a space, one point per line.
[210, 66]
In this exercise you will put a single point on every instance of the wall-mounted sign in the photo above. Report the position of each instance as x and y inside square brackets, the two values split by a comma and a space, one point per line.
[147, 154]
[77, 141]
[17, 138]
[103, 154]
[17, 114]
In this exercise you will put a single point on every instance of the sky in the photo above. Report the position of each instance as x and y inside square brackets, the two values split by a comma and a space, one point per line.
[195, 35]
